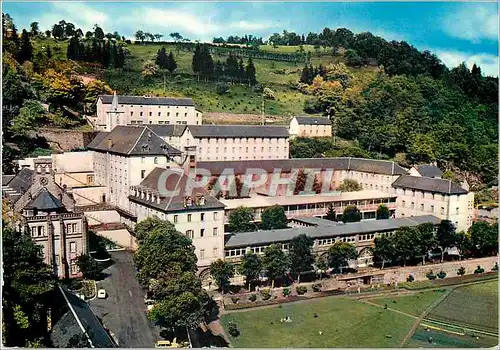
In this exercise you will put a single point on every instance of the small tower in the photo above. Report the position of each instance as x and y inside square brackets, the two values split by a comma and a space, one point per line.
[114, 114]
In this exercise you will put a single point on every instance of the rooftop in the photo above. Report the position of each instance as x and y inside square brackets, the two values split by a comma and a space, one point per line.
[143, 100]
[429, 170]
[99, 136]
[225, 131]
[313, 121]
[176, 202]
[259, 201]
[20, 183]
[45, 201]
[383, 167]
[168, 129]
[428, 184]
[275, 236]
[133, 140]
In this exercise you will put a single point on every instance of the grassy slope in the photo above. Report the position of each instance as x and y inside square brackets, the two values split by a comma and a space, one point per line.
[412, 304]
[447, 340]
[475, 306]
[344, 322]
[281, 77]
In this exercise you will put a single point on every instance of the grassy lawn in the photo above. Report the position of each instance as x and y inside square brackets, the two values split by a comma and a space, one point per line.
[411, 304]
[448, 340]
[448, 281]
[474, 306]
[344, 323]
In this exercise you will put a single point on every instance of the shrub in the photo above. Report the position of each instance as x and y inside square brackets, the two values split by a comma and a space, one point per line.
[495, 268]
[235, 300]
[441, 274]
[430, 275]
[461, 271]
[410, 278]
[479, 269]
[233, 329]
[252, 297]
[301, 290]
[286, 292]
[265, 293]
[316, 287]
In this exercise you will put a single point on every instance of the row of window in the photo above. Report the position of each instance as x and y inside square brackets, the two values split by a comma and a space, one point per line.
[215, 216]
[190, 233]
[239, 149]
[240, 157]
[242, 139]
[215, 252]
[39, 230]
[141, 114]
[430, 209]
[132, 106]
[328, 241]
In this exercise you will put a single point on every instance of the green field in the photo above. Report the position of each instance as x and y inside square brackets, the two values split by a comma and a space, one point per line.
[448, 340]
[474, 306]
[411, 304]
[344, 323]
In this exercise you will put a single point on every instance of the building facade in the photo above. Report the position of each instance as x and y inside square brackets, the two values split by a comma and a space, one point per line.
[114, 110]
[310, 127]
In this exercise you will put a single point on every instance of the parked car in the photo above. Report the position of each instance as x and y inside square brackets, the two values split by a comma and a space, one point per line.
[101, 294]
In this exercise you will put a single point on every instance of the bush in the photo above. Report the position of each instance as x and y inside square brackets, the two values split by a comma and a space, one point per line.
[441, 274]
[252, 297]
[479, 269]
[430, 275]
[265, 293]
[312, 106]
[233, 329]
[316, 287]
[222, 88]
[235, 300]
[410, 278]
[301, 290]
[461, 271]
[286, 292]
[495, 268]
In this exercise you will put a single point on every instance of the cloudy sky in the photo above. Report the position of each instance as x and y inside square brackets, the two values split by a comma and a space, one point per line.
[456, 32]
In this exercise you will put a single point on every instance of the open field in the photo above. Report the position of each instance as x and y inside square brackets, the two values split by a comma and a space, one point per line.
[448, 340]
[474, 306]
[411, 304]
[344, 323]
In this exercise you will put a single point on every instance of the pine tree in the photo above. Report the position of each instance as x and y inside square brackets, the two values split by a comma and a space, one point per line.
[72, 50]
[196, 64]
[250, 72]
[49, 52]
[25, 49]
[171, 63]
[241, 71]
[304, 77]
[161, 58]
[218, 69]
[330, 214]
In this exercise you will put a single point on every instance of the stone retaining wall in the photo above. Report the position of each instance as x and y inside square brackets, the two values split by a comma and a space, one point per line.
[65, 140]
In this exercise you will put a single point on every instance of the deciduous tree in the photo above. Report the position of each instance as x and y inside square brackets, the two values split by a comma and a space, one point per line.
[351, 214]
[339, 255]
[301, 256]
[384, 249]
[446, 236]
[383, 212]
[250, 267]
[222, 271]
[240, 220]
[273, 218]
[275, 262]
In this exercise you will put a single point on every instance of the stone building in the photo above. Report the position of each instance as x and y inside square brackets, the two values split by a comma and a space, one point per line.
[310, 127]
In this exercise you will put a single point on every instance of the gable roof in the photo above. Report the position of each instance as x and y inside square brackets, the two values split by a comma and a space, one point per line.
[22, 181]
[223, 131]
[44, 200]
[134, 140]
[97, 138]
[428, 184]
[429, 170]
[164, 130]
[313, 121]
[141, 100]
[340, 229]
[175, 181]
[286, 165]
[6, 179]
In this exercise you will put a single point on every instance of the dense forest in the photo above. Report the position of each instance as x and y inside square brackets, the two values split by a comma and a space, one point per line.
[386, 99]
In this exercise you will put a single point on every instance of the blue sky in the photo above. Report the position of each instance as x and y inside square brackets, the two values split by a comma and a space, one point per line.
[456, 31]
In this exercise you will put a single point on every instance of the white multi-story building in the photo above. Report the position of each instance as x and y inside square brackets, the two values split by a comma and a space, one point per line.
[113, 110]
[310, 127]
[431, 196]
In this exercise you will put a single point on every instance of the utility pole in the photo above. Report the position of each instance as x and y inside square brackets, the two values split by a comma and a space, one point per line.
[263, 99]
[164, 88]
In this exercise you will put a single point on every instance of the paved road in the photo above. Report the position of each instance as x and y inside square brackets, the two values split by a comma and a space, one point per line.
[124, 310]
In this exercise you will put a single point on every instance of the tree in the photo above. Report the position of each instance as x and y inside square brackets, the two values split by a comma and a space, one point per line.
[250, 267]
[57, 31]
[163, 248]
[158, 36]
[31, 115]
[426, 240]
[26, 49]
[349, 185]
[161, 59]
[321, 264]
[330, 213]
[34, 29]
[240, 220]
[250, 72]
[48, 33]
[145, 227]
[446, 236]
[88, 266]
[464, 244]
[139, 35]
[79, 340]
[98, 32]
[171, 63]
[484, 238]
[273, 218]
[339, 255]
[89, 35]
[384, 249]
[351, 214]
[222, 271]
[28, 284]
[275, 262]
[149, 69]
[405, 241]
[383, 212]
[301, 256]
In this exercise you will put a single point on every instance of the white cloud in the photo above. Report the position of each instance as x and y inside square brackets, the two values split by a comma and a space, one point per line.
[487, 62]
[473, 22]
[81, 15]
[245, 25]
